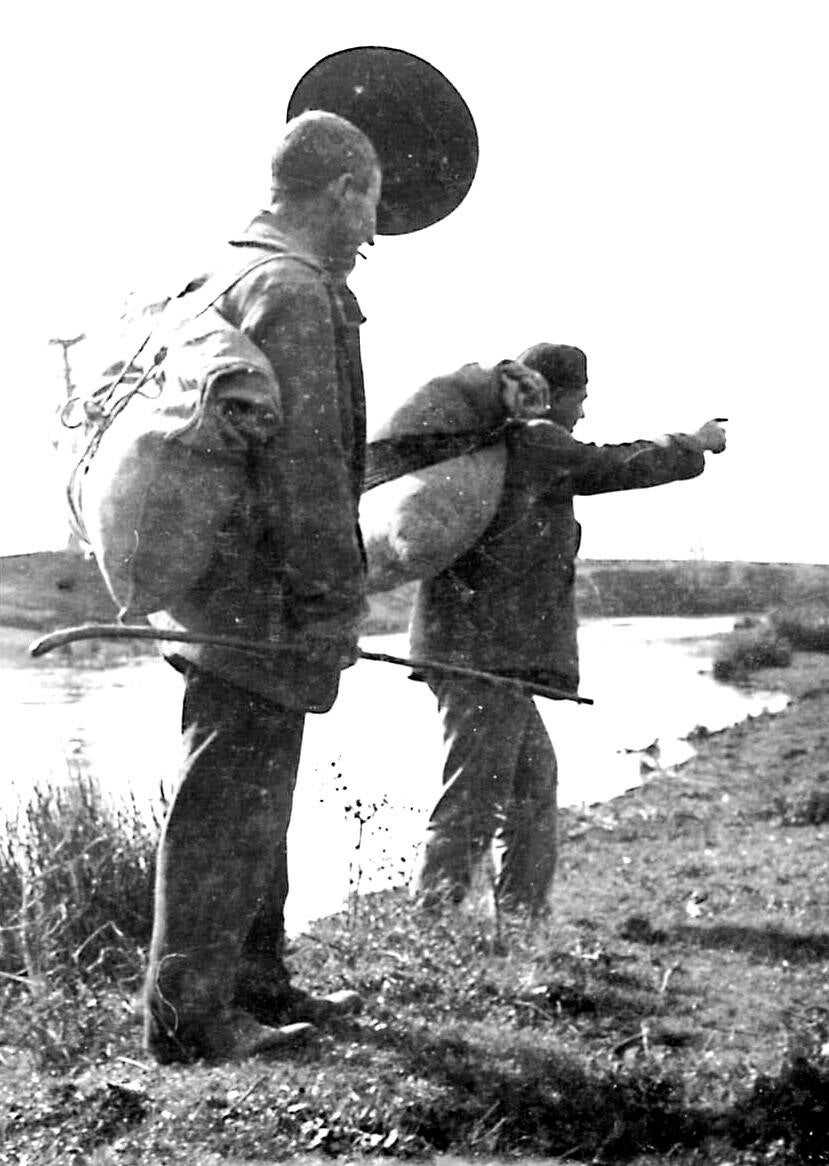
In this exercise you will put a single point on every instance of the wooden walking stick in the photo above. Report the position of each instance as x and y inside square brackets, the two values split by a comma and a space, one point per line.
[103, 631]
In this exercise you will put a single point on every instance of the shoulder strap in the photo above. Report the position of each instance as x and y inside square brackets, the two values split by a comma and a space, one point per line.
[207, 295]
[215, 286]
[392, 457]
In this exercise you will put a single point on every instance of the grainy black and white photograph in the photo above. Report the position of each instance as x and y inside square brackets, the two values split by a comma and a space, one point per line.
[414, 584]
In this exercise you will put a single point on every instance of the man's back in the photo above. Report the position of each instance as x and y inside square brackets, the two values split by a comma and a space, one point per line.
[507, 604]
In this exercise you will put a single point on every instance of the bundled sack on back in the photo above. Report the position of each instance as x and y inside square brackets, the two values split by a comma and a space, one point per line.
[165, 439]
[436, 469]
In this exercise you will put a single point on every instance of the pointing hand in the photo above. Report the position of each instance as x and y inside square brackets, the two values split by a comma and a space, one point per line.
[711, 435]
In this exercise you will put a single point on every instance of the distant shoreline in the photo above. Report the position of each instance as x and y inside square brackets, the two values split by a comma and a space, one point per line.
[47, 589]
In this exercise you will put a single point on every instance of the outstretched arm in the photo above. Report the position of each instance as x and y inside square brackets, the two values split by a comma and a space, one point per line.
[549, 451]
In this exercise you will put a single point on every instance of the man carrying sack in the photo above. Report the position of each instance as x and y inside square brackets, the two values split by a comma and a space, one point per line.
[289, 570]
[507, 606]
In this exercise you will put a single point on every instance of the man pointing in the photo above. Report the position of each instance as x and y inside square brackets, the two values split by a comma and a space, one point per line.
[508, 606]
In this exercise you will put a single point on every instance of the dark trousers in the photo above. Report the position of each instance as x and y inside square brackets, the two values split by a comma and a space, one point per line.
[493, 827]
[222, 875]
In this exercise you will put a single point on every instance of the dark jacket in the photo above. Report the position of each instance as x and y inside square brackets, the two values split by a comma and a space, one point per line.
[508, 604]
[291, 568]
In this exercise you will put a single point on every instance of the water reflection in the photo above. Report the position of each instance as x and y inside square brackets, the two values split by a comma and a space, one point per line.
[371, 766]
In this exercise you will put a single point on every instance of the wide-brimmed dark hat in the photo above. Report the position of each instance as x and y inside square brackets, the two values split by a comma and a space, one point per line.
[416, 120]
[561, 365]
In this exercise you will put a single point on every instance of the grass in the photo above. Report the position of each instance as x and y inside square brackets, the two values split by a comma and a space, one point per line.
[75, 879]
[805, 626]
[672, 1009]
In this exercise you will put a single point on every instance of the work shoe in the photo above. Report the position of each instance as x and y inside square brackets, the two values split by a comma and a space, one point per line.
[317, 1009]
[231, 1035]
[278, 1002]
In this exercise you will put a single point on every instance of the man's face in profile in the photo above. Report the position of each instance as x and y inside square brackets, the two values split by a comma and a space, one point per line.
[567, 408]
[355, 219]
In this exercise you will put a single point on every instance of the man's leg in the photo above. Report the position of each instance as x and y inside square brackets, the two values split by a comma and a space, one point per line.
[529, 834]
[483, 728]
[221, 839]
[263, 950]
[263, 983]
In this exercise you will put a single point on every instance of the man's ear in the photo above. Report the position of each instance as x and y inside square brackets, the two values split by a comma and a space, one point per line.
[341, 186]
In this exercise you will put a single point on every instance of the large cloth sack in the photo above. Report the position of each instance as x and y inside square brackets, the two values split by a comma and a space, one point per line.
[469, 400]
[416, 524]
[166, 467]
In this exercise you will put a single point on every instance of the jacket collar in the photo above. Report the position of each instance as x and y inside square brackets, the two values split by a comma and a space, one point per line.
[263, 232]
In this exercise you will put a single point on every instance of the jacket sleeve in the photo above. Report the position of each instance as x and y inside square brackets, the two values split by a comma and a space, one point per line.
[550, 453]
[317, 522]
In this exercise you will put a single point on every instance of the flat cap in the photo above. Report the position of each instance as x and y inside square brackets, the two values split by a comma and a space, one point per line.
[561, 365]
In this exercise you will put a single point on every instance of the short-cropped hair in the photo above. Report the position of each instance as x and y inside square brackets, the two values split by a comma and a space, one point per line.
[316, 148]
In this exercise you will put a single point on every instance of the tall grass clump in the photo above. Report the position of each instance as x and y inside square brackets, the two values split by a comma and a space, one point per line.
[76, 873]
[749, 648]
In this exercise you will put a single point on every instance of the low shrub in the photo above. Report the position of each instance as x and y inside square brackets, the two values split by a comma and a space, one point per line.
[747, 649]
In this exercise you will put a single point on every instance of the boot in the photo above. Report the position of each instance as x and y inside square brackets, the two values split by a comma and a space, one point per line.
[230, 1035]
[273, 1000]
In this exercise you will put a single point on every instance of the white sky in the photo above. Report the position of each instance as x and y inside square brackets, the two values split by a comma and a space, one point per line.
[653, 187]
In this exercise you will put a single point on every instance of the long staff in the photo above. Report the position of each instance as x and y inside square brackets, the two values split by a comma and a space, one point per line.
[103, 631]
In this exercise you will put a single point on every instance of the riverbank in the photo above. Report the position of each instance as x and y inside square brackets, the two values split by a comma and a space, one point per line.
[673, 1008]
[49, 589]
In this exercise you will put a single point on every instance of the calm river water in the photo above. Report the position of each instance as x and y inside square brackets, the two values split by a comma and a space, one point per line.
[371, 766]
